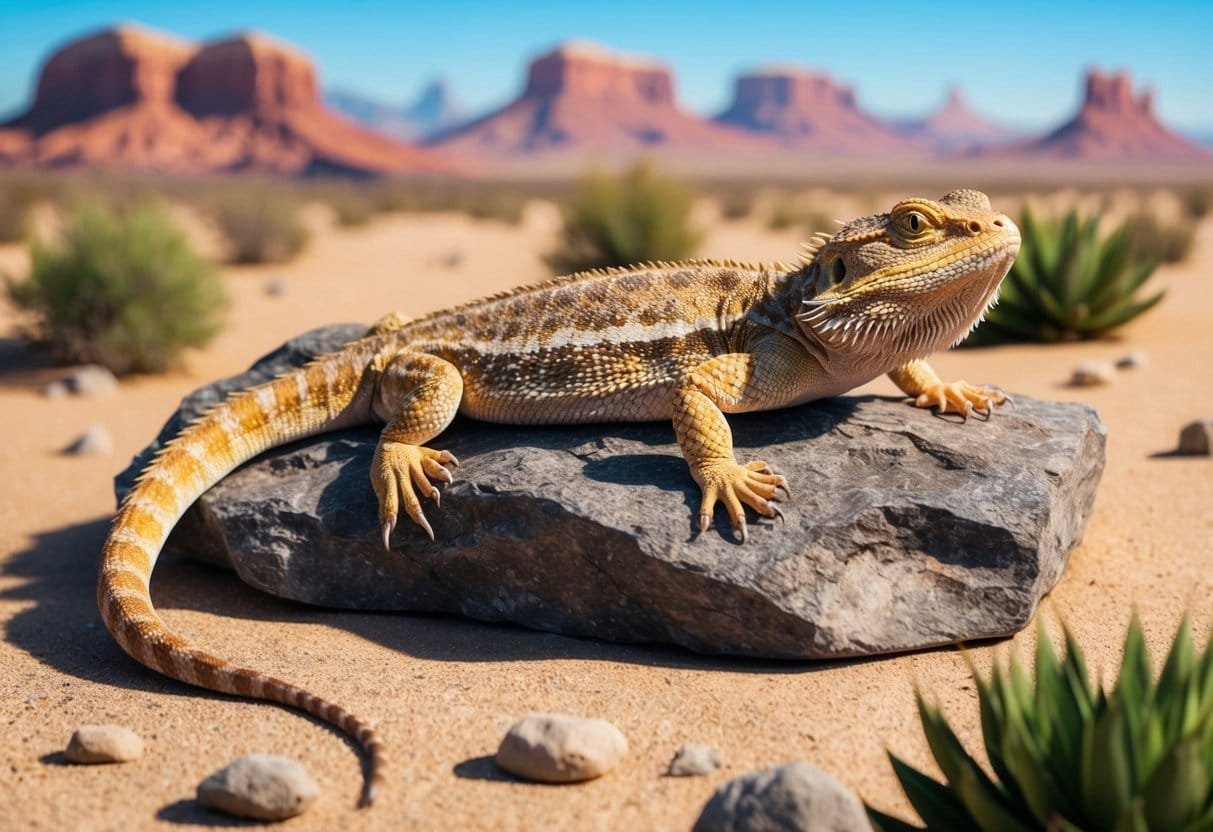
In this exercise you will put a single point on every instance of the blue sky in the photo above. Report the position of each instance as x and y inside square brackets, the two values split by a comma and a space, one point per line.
[1020, 62]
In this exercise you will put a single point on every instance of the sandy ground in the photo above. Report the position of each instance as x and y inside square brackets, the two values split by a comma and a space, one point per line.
[443, 691]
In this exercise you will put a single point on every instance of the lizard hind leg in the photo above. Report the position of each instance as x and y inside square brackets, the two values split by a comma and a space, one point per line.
[417, 395]
[919, 381]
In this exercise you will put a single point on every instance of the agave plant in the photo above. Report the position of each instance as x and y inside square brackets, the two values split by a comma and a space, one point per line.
[1068, 283]
[1067, 756]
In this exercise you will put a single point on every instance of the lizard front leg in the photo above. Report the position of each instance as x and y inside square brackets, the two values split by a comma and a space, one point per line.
[726, 382]
[417, 395]
[918, 380]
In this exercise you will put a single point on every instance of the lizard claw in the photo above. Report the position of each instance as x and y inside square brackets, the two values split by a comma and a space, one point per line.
[737, 486]
[399, 473]
[960, 397]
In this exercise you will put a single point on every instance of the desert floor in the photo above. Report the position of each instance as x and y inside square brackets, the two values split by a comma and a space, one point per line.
[443, 691]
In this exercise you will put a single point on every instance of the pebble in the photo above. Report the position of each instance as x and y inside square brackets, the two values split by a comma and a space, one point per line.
[91, 380]
[260, 787]
[1091, 373]
[95, 440]
[1131, 360]
[1196, 438]
[554, 748]
[56, 390]
[794, 796]
[692, 760]
[276, 286]
[103, 744]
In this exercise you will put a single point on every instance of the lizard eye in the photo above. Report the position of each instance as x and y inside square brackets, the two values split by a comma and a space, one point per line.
[838, 272]
[914, 222]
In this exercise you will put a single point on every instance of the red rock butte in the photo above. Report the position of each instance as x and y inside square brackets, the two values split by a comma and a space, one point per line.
[808, 111]
[1112, 125]
[134, 98]
[955, 128]
[582, 99]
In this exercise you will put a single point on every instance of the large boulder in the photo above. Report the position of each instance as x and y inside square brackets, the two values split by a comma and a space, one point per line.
[905, 530]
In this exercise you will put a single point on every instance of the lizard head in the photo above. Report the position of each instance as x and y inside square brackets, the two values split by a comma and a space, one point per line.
[909, 282]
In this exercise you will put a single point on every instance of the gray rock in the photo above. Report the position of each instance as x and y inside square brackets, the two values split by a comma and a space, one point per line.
[1093, 373]
[91, 380]
[56, 390]
[92, 744]
[554, 748]
[693, 760]
[1132, 360]
[794, 797]
[905, 530]
[95, 440]
[1196, 438]
[276, 285]
[259, 786]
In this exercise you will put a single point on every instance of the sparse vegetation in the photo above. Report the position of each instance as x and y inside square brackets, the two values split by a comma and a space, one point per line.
[1068, 283]
[260, 225]
[122, 289]
[1160, 241]
[791, 211]
[1065, 755]
[353, 206]
[17, 198]
[615, 221]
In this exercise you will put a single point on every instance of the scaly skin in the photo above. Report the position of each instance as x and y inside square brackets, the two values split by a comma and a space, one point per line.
[686, 342]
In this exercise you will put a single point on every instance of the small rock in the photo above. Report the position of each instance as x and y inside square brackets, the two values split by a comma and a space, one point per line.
[56, 390]
[91, 380]
[792, 797]
[276, 286]
[259, 786]
[95, 440]
[103, 744]
[692, 760]
[1131, 360]
[553, 748]
[1091, 373]
[452, 259]
[1196, 438]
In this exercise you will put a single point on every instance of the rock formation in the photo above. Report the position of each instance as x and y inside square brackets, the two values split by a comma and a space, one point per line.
[129, 97]
[809, 112]
[582, 99]
[1112, 125]
[434, 110]
[905, 530]
[954, 128]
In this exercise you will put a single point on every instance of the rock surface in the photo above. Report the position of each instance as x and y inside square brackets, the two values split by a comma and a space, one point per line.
[795, 797]
[91, 380]
[95, 440]
[693, 760]
[260, 787]
[92, 744]
[1093, 374]
[1196, 438]
[905, 531]
[554, 748]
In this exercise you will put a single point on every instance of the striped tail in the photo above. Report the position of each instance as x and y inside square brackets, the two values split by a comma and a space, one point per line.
[321, 396]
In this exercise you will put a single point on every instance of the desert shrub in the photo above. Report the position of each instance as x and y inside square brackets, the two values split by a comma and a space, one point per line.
[790, 211]
[1065, 755]
[1159, 240]
[1068, 283]
[261, 225]
[17, 198]
[122, 289]
[619, 220]
[353, 206]
[1197, 201]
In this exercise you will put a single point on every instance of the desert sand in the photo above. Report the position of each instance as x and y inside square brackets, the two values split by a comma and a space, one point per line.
[443, 691]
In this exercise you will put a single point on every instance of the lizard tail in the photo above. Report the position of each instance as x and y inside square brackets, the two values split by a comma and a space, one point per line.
[318, 397]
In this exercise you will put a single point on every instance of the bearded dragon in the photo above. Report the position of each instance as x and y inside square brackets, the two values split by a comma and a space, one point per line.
[686, 342]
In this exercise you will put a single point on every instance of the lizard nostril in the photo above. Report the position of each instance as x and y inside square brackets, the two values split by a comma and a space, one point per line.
[999, 223]
[975, 226]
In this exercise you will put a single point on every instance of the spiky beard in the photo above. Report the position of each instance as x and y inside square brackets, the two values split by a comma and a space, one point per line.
[901, 329]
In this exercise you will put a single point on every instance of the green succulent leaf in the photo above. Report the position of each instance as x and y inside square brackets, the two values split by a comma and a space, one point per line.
[934, 802]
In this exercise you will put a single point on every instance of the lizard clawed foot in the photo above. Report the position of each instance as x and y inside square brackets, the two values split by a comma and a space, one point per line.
[754, 485]
[398, 472]
[961, 397]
